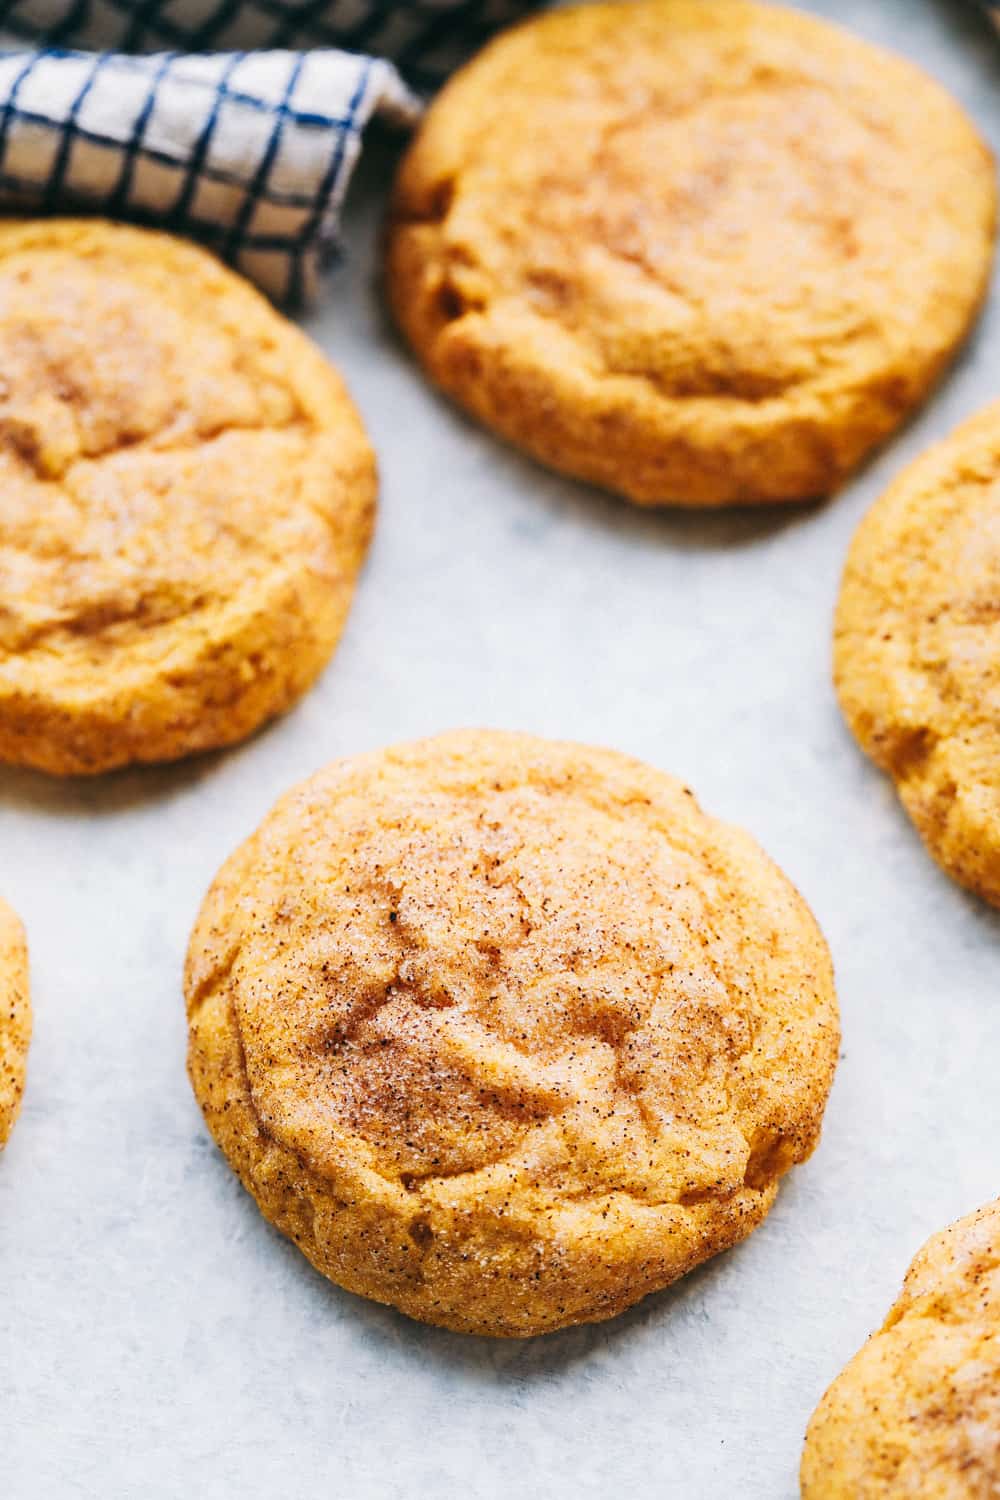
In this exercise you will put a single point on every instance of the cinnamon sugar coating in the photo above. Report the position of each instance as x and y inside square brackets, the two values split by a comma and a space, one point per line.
[507, 1032]
[917, 646]
[15, 1018]
[186, 494]
[699, 252]
[916, 1413]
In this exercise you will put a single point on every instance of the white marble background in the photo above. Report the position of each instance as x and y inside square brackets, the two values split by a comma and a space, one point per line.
[157, 1339]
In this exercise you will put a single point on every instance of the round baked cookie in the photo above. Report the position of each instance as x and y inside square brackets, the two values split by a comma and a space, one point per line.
[697, 251]
[916, 1414]
[15, 1018]
[917, 647]
[186, 494]
[505, 1032]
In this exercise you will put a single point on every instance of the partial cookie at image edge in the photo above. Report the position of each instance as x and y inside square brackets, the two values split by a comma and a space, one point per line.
[917, 646]
[915, 1415]
[15, 1018]
[187, 497]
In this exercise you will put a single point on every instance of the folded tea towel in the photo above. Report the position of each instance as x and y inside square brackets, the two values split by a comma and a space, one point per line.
[249, 151]
[426, 39]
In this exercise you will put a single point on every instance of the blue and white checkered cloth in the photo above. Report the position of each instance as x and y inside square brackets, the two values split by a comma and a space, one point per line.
[248, 150]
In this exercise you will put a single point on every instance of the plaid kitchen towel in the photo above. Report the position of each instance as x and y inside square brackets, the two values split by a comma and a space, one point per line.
[249, 151]
[426, 39]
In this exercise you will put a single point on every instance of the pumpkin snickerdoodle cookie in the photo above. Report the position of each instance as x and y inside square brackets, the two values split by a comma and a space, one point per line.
[916, 1414]
[506, 1032]
[186, 494]
[15, 1018]
[917, 646]
[696, 251]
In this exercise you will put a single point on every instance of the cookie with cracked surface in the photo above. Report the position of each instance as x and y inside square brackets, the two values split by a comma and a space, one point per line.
[186, 495]
[507, 1033]
[15, 1018]
[916, 1414]
[701, 252]
[917, 647]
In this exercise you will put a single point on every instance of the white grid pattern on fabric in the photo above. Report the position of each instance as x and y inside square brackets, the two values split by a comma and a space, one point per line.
[249, 151]
[210, 146]
[425, 38]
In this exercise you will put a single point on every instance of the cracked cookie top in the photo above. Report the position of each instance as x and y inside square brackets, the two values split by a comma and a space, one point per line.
[185, 496]
[529, 982]
[916, 1413]
[917, 646]
[15, 1017]
[698, 251]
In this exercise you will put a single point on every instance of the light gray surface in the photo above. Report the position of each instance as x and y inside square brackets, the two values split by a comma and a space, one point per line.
[156, 1338]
